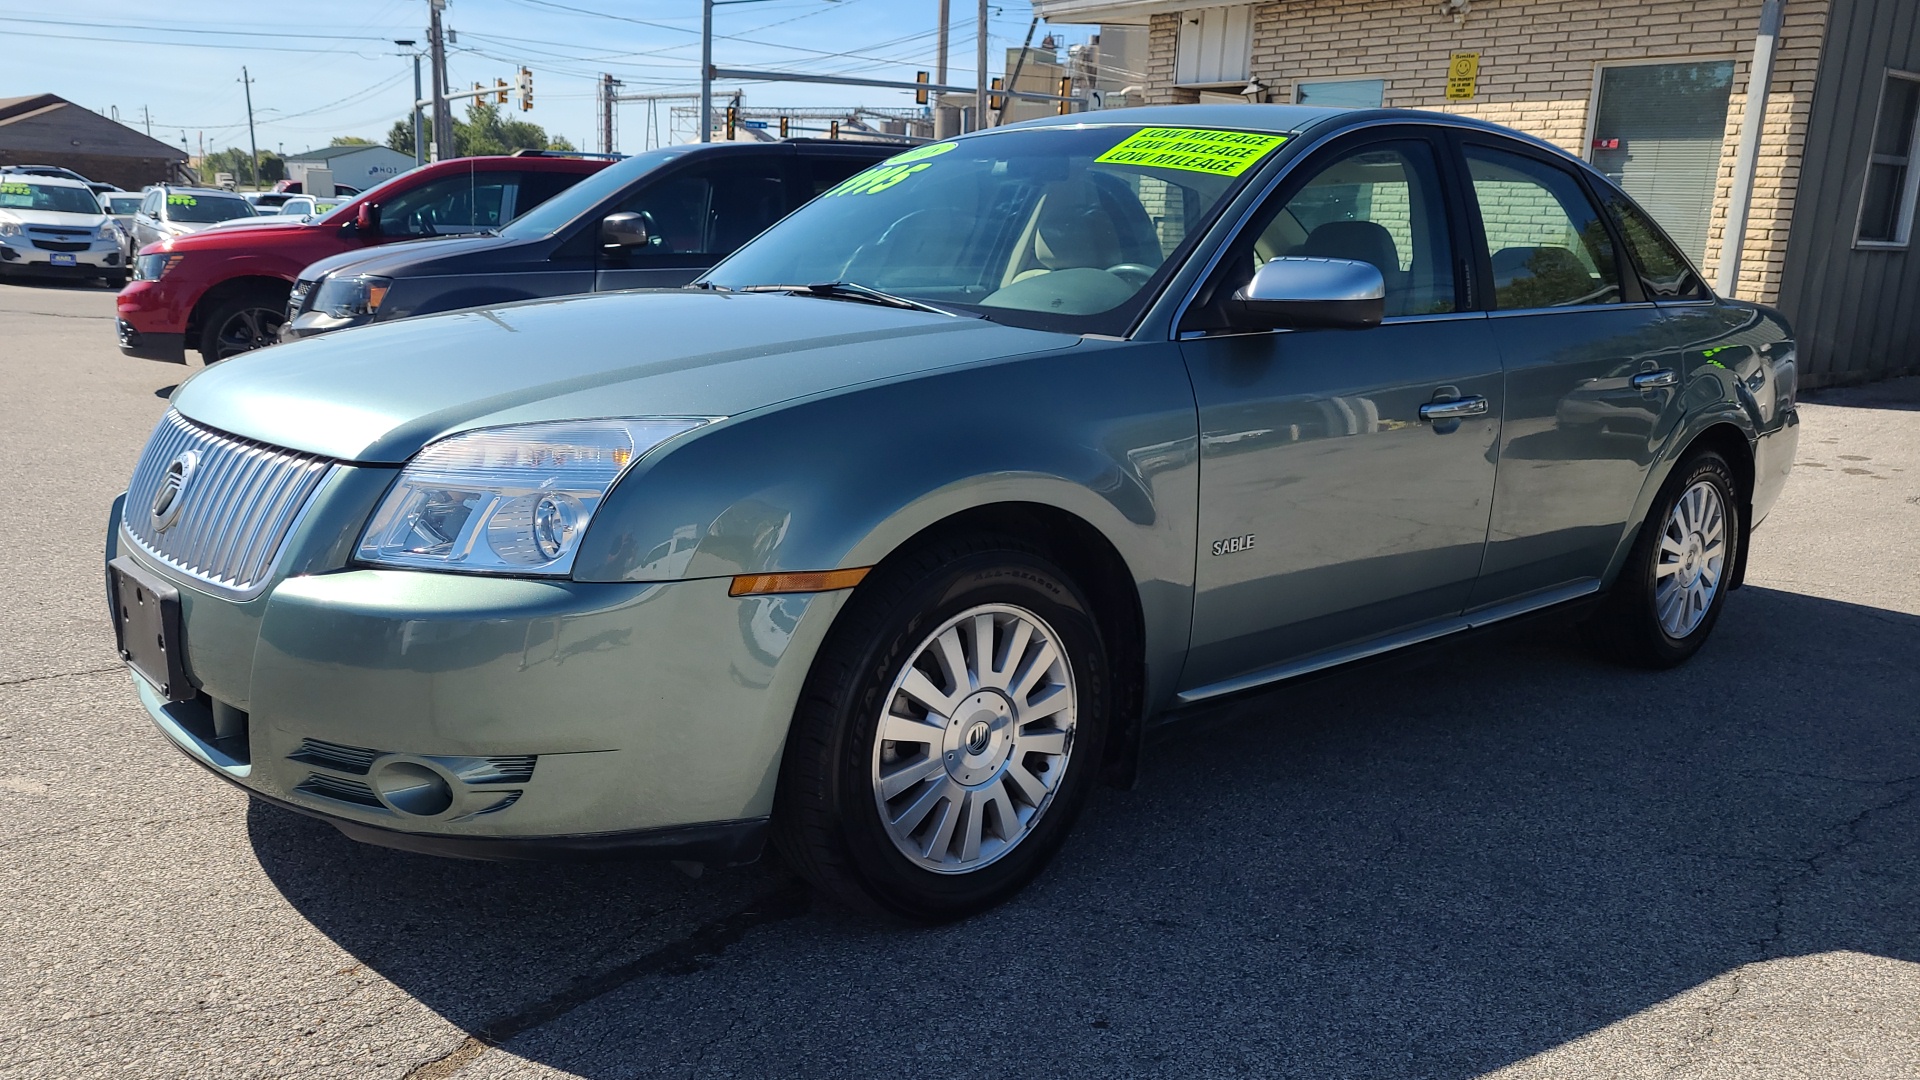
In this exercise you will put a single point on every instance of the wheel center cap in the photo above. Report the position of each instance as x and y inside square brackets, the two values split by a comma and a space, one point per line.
[979, 738]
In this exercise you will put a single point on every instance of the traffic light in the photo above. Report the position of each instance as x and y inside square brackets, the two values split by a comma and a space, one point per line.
[920, 95]
[783, 127]
[526, 89]
[500, 91]
[1066, 91]
[733, 118]
[997, 101]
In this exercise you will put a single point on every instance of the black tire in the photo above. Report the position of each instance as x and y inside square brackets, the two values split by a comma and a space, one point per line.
[826, 821]
[242, 323]
[1627, 625]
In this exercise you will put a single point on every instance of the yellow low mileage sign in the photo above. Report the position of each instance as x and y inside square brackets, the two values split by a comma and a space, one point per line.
[1223, 153]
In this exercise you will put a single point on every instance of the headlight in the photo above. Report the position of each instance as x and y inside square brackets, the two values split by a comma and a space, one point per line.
[153, 267]
[107, 231]
[9, 228]
[511, 500]
[345, 298]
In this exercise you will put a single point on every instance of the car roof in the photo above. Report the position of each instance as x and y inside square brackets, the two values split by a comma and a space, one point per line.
[55, 181]
[195, 189]
[1279, 119]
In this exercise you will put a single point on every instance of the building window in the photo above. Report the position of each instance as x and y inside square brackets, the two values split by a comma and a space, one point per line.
[1341, 93]
[1658, 132]
[1886, 206]
[1215, 46]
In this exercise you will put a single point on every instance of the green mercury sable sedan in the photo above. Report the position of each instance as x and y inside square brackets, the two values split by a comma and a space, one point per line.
[886, 541]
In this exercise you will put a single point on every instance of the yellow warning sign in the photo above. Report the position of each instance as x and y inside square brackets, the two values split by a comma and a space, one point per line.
[1463, 75]
[1222, 153]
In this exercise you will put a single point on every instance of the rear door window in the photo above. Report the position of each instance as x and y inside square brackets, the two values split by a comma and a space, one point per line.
[1547, 242]
[711, 210]
[538, 187]
[1665, 273]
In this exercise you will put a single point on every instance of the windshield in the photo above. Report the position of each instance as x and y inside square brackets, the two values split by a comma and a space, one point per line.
[550, 216]
[1051, 228]
[21, 194]
[123, 204]
[205, 208]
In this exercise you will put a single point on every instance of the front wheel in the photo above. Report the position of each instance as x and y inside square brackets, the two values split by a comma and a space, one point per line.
[1670, 592]
[242, 324]
[951, 729]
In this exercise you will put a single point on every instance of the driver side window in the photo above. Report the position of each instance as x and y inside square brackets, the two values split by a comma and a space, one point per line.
[453, 204]
[1377, 204]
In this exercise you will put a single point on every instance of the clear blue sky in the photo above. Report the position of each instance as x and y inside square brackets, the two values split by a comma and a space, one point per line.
[329, 68]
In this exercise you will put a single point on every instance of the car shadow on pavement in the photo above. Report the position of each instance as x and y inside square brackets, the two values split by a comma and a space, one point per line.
[1427, 872]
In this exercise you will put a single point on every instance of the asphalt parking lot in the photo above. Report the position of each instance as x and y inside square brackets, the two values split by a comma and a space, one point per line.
[1507, 859]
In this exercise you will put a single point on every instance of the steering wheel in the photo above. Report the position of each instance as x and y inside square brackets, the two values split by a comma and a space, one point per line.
[878, 249]
[421, 222]
[1133, 274]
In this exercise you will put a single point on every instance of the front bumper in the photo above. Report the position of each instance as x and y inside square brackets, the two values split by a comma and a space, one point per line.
[560, 718]
[100, 257]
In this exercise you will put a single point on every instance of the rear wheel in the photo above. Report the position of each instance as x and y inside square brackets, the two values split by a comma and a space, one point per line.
[1674, 584]
[951, 729]
[242, 323]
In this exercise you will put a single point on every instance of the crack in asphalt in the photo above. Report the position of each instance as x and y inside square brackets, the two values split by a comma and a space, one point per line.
[684, 956]
[1801, 870]
[61, 675]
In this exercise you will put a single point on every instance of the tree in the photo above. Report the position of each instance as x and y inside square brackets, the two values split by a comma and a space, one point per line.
[484, 131]
[349, 140]
[240, 163]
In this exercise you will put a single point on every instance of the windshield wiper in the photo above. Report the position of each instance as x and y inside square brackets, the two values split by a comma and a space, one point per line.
[850, 290]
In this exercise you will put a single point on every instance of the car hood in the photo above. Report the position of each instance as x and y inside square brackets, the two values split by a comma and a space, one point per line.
[379, 393]
[53, 217]
[427, 254]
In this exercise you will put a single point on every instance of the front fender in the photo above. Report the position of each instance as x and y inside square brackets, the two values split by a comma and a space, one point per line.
[1105, 432]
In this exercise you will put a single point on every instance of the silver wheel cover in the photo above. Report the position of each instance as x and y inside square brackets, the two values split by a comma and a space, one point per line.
[974, 738]
[1693, 560]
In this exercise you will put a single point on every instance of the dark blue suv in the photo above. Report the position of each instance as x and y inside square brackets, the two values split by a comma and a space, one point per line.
[655, 220]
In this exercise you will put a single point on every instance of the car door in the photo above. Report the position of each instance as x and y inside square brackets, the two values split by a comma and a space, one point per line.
[697, 215]
[1332, 512]
[146, 223]
[1591, 391]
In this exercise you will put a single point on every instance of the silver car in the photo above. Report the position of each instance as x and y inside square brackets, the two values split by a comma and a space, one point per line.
[51, 226]
[121, 206]
[167, 211]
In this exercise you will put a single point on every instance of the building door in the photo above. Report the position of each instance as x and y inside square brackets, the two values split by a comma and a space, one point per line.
[1658, 131]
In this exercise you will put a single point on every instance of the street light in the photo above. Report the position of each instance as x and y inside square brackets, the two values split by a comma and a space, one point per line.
[706, 62]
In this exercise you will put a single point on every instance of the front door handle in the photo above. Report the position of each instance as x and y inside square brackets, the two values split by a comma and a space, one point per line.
[1454, 410]
[1654, 380]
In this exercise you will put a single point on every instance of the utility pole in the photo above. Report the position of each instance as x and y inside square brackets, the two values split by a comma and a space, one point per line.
[442, 115]
[706, 70]
[1013, 79]
[940, 61]
[980, 76]
[419, 148]
[148, 117]
[246, 82]
[609, 90]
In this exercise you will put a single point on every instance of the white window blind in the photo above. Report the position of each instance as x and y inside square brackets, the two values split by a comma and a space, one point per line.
[1658, 131]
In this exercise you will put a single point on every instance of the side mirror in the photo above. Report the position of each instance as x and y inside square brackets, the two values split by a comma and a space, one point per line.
[625, 231]
[367, 218]
[1297, 292]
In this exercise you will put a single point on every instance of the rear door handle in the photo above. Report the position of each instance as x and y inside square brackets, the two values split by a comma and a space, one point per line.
[1654, 380]
[1454, 410]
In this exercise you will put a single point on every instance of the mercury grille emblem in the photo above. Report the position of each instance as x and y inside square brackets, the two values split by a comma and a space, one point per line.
[172, 495]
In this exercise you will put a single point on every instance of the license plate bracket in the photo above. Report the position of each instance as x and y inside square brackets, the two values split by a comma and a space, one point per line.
[146, 622]
[61, 258]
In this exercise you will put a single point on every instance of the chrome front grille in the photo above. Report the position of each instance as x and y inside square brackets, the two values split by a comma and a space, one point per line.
[237, 501]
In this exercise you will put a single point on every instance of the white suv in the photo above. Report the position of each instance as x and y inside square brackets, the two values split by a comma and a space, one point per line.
[53, 226]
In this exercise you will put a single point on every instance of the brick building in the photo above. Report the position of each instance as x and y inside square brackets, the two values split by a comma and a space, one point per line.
[45, 129]
[1652, 92]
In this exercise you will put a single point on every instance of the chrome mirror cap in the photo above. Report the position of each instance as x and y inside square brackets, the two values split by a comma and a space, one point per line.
[625, 230]
[1300, 292]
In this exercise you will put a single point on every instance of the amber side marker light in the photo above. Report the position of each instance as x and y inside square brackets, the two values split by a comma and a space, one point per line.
[811, 581]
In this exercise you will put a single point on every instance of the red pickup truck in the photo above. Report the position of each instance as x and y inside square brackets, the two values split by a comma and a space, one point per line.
[224, 291]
